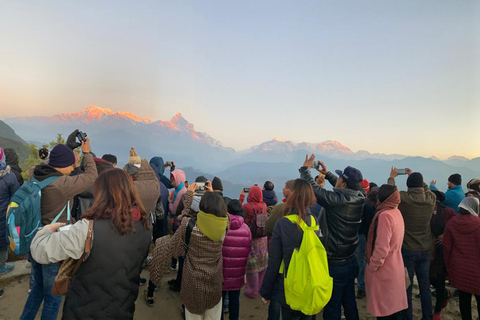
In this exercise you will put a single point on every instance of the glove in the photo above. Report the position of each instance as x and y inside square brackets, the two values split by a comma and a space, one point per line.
[72, 142]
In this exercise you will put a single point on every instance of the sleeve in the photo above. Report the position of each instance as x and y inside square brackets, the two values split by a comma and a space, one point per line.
[332, 179]
[324, 197]
[48, 247]
[166, 181]
[72, 185]
[187, 203]
[167, 248]
[275, 258]
[449, 199]
[276, 214]
[447, 246]
[13, 187]
[382, 243]
[433, 187]
[241, 198]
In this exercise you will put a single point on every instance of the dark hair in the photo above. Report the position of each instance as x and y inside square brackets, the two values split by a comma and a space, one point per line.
[115, 196]
[213, 203]
[110, 158]
[290, 184]
[386, 191]
[235, 208]
[373, 197]
[372, 185]
[268, 185]
[354, 185]
[463, 211]
[301, 198]
[440, 195]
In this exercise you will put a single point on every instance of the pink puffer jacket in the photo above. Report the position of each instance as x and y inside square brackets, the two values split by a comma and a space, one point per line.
[236, 248]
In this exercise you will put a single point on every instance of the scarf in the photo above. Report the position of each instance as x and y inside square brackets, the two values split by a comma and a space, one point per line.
[177, 190]
[213, 227]
[391, 202]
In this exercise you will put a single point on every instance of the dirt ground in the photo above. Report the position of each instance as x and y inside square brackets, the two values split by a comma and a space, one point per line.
[167, 304]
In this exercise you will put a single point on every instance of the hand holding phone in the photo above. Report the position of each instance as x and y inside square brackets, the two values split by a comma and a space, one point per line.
[246, 190]
[402, 171]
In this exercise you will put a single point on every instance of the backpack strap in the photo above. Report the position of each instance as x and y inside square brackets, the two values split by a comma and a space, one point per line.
[190, 225]
[67, 206]
[42, 184]
[88, 245]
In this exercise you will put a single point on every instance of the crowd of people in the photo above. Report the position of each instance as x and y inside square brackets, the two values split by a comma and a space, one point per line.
[374, 238]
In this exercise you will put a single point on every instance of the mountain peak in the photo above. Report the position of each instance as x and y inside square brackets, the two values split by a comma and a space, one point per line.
[280, 139]
[96, 109]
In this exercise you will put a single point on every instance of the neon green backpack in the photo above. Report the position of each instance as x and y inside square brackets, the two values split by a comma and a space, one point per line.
[308, 285]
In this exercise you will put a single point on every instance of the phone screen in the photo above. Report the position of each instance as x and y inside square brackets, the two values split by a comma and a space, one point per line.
[246, 190]
[402, 171]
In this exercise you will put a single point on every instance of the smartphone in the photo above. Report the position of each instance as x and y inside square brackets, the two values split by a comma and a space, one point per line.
[402, 171]
[65, 228]
[316, 165]
[246, 190]
[168, 163]
[200, 188]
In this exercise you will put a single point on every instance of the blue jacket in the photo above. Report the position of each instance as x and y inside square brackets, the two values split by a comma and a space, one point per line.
[8, 186]
[158, 163]
[269, 197]
[453, 197]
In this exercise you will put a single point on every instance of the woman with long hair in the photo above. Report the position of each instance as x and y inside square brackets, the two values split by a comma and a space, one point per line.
[286, 237]
[106, 284]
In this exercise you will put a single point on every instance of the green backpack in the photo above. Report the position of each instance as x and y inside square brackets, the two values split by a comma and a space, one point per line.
[308, 285]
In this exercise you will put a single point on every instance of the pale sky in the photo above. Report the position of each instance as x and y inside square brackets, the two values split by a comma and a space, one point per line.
[384, 76]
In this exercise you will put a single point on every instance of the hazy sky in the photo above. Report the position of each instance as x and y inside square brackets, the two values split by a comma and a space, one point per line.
[385, 76]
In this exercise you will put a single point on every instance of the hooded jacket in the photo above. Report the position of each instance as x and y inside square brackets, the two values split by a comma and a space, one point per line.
[254, 204]
[56, 195]
[343, 216]
[180, 178]
[158, 163]
[417, 206]
[236, 248]
[461, 252]
[269, 197]
[163, 188]
[8, 186]
[12, 161]
[148, 188]
[202, 272]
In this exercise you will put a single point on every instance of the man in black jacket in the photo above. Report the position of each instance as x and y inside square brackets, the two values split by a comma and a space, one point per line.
[344, 210]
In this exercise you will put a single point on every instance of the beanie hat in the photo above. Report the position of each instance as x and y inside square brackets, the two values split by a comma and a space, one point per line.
[3, 160]
[134, 157]
[110, 158]
[365, 185]
[217, 184]
[235, 208]
[456, 179]
[474, 184]
[61, 156]
[201, 179]
[440, 195]
[470, 204]
[415, 180]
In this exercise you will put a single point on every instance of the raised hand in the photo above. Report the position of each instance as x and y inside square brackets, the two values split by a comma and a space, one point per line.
[309, 161]
[393, 172]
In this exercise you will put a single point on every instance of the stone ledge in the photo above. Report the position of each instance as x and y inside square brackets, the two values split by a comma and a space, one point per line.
[22, 269]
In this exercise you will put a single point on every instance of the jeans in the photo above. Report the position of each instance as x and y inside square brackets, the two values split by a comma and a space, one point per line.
[233, 303]
[418, 262]
[289, 314]
[466, 305]
[361, 261]
[343, 274]
[44, 276]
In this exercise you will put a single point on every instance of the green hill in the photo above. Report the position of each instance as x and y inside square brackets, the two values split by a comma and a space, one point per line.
[9, 139]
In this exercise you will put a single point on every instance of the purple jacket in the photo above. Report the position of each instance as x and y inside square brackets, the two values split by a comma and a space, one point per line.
[236, 248]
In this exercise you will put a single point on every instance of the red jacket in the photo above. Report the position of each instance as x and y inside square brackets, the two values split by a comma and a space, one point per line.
[461, 252]
[254, 203]
[236, 248]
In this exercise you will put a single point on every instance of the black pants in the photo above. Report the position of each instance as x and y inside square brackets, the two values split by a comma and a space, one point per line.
[178, 280]
[466, 304]
[395, 316]
[233, 304]
[439, 284]
[289, 314]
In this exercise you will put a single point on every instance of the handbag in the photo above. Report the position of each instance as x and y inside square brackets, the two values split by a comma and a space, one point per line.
[70, 266]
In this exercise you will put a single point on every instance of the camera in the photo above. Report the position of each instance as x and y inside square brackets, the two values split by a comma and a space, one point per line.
[200, 188]
[402, 171]
[81, 136]
[246, 190]
[316, 165]
[168, 163]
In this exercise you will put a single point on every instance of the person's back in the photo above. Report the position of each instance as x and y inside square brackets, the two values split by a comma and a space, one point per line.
[12, 161]
[454, 195]
[269, 195]
[148, 187]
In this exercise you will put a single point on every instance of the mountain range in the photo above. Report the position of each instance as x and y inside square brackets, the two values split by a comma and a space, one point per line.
[276, 160]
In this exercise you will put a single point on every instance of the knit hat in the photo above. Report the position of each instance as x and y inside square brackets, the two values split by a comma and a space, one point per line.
[440, 195]
[235, 208]
[201, 179]
[474, 184]
[217, 184]
[134, 157]
[365, 185]
[470, 204]
[3, 160]
[110, 158]
[456, 179]
[61, 156]
[415, 180]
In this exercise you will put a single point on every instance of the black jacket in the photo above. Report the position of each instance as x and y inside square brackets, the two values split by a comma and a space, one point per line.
[286, 237]
[344, 210]
[12, 161]
[106, 284]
